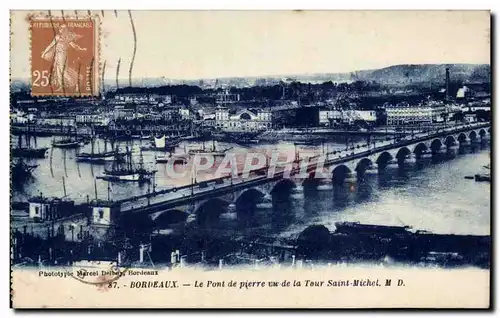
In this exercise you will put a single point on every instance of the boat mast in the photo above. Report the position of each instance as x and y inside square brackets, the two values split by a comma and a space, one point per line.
[92, 141]
[129, 158]
[109, 190]
[141, 160]
[116, 159]
[193, 178]
[64, 186]
[95, 189]
[27, 138]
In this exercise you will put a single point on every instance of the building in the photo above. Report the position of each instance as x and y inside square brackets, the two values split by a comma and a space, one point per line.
[226, 97]
[152, 99]
[470, 118]
[20, 117]
[351, 116]
[463, 92]
[425, 112]
[243, 120]
[43, 208]
[329, 117]
[120, 112]
[185, 113]
[475, 106]
[332, 117]
[93, 119]
[103, 213]
[66, 121]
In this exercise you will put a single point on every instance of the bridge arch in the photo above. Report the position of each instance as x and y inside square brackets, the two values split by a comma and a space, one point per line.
[340, 172]
[249, 194]
[247, 200]
[134, 223]
[473, 135]
[462, 137]
[450, 141]
[482, 132]
[436, 145]
[311, 182]
[363, 164]
[210, 210]
[402, 153]
[384, 158]
[169, 217]
[420, 148]
[283, 186]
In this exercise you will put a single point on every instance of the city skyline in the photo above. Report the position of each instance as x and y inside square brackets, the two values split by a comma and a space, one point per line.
[302, 77]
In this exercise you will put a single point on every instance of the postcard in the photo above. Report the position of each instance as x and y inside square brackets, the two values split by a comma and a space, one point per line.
[250, 159]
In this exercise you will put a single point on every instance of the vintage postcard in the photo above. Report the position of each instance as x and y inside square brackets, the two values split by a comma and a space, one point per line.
[250, 159]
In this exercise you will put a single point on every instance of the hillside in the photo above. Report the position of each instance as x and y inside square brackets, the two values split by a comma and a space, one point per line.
[427, 73]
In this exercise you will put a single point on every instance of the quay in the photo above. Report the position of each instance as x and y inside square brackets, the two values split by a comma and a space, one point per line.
[348, 242]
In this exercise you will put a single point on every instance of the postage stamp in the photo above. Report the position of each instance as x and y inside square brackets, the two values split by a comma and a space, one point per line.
[64, 56]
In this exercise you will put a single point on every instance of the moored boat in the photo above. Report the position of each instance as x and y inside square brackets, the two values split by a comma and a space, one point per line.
[67, 143]
[485, 177]
[21, 171]
[127, 175]
[126, 170]
[72, 141]
[161, 144]
[209, 152]
[29, 152]
[175, 159]
[97, 157]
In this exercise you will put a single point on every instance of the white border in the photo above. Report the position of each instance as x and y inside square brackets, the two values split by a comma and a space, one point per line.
[494, 5]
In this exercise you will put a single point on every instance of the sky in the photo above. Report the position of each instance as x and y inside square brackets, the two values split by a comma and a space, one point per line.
[211, 44]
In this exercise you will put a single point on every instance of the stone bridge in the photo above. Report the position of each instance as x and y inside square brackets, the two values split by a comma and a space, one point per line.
[244, 197]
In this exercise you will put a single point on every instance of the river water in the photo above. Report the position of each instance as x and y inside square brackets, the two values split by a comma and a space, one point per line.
[429, 195]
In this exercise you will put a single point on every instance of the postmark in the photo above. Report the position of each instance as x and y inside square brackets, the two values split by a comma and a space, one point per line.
[103, 278]
[64, 56]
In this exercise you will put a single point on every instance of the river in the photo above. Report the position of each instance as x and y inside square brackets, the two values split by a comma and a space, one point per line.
[430, 195]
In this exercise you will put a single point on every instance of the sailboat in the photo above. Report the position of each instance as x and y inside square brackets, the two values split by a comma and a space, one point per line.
[161, 143]
[126, 170]
[28, 151]
[68, 142]
[177, 159]
[21, 171]
[99, 157]
[212, 152]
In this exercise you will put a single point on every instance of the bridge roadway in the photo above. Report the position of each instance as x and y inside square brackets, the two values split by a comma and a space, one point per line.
[169, 198]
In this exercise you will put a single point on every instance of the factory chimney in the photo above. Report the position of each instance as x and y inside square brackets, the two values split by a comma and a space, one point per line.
[447, 83]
